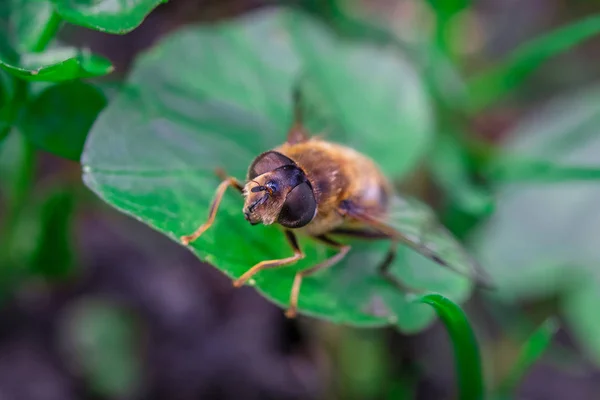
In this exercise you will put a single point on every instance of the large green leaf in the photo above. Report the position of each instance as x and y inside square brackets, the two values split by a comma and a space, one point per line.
[542, 239]
[153, 152]
[57, 65]
[59, 119]
[336, 66]
[111, 16]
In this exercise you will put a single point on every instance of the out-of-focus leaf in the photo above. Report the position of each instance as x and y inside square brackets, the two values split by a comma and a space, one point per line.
[102, 344]
[389, 100]
[33, 23]
[111, 16]
[17, 168]
[58, 65]
[532, 350]
[12, 151]
[466, 349]
[581, 314]
[448, 163]
[495, 83]
[542, 239]
[6, 96]
[153, 152]
[53, 253]
[363, 364]
[59, 119]
[516, 169]
[448, 8]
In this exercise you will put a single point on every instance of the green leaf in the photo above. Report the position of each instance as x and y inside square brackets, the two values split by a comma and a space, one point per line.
[6, 96]
[542, 240]
[390, 99]
[466, 350]
[111, 16]
[363, 364]
[53, 255]
[532, 350]
[515, 169]
[581, 314]
[59, 119]
[448, 8]
[12, 153]
[17, 168]
[497, 82]
[57, 65]
[450, 169]
[102, 341]
[33, 24]
[153, 152]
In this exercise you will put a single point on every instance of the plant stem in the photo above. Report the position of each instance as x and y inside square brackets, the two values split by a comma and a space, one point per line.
[49, 32]
[25, 174]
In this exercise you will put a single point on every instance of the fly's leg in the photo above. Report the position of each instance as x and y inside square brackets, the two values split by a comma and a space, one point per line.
[213, 208]
[384, 268]
[295, 292]
[298, 255]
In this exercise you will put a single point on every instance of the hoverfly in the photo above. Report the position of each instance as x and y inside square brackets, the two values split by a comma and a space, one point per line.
[314, 187]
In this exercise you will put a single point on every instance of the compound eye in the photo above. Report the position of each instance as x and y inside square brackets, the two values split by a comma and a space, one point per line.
[299, 207]
[267, 162]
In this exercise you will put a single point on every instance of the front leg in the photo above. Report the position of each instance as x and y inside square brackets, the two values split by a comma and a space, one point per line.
[295, 293]
[298, 255]
[230, 181]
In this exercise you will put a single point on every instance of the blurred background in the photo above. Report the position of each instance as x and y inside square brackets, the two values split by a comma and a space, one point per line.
[96, 305]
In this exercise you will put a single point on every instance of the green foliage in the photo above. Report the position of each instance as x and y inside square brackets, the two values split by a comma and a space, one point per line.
[555, 251]
[104, 339]
[450, 169]
[59, 118]
[153, 151]
[111, 16]
[492, 85]
[341, 70]
[5, 104]
[32, 24]
[17, 166]
[466, 350]
[363, 364]
[46, 234]
[57, 65]
[191, 123]
[532, 350]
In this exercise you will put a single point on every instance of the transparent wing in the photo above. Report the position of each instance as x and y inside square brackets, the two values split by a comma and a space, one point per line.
[419, 229]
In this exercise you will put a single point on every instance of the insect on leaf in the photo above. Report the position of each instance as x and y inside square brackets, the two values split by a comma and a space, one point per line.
[153, 152]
